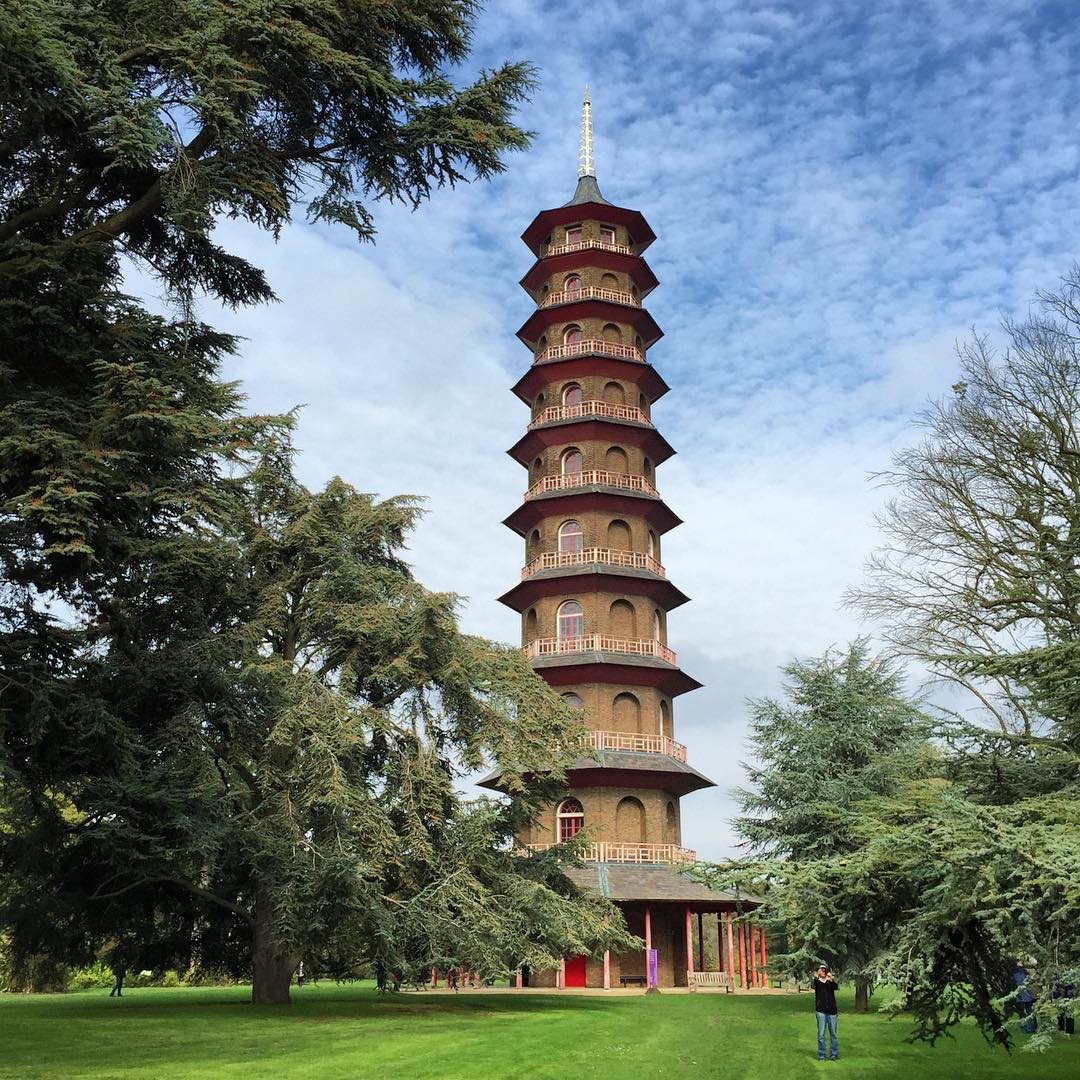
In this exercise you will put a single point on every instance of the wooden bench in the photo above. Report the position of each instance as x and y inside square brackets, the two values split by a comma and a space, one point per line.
[632, 980]
[713, 980]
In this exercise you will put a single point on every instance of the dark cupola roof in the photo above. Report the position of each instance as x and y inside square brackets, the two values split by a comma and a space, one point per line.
[588, 191]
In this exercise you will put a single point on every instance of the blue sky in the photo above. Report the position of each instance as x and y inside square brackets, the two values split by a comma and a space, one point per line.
[840, 190]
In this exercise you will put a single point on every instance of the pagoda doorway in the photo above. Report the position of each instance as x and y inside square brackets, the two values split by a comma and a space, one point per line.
[575, 971]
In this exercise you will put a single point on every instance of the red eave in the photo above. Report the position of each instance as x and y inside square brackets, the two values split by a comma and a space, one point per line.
[658, 589]
[646, 439]
[544, 318]
[678, 782]
[645, 376]
[530, 512]
[663, 677]
[639, 270]
[640, 231]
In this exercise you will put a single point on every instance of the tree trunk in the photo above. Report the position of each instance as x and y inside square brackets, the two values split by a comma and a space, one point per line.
[272, 966]
[862, 995]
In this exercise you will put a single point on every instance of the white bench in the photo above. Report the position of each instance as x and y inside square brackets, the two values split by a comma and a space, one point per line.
[709, 980]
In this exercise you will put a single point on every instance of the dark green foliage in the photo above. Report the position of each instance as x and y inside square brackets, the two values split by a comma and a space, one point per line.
[148, 121]
[230, 720]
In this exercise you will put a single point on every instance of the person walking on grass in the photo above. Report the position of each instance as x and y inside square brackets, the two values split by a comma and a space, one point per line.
[825, 1006]
[119, 970]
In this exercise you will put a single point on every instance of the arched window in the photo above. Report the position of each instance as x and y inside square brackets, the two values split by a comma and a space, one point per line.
[530, 625]
[536, 470]
[573, 234]
[571, 462]
[622, 620]
[572, 335]
[643, 404]
[657, 627]
[534, 543]
[574, 701]
[571, 394]
[571, 538]
[616, 461]
[614, 394]
[618, 536]
[626, 714]
[609, 281]
[541, 345]
[571, 621]
[639, 343]
[607, 234]
[538, 405]
[571, 818]
[654, 546]
[671, 825]
[572, 284]
[630, 821]
[611, 332]
[647, 469]
[665, 720]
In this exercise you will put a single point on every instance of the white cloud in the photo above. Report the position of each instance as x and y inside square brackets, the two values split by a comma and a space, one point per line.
[838, 196]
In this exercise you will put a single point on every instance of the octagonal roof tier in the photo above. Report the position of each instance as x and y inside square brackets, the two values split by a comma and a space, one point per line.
[592, 210]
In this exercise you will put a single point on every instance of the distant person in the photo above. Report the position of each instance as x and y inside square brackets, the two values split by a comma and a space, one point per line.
[825, 1006]
[300, 974]
[1024, 998]
[119, 971]
[1065, 993]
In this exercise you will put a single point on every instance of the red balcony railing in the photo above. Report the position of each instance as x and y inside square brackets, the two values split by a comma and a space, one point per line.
[591, 408]
[563, 481]
[640, 744]
[591, 345]
[586, 245]
[631, 853]
[589, 292]
[556, 560]
[601, 643]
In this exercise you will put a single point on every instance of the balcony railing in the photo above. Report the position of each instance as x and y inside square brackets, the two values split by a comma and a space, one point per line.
[563, 481]
[591, 345]
[631, 853]
[640, 744]
[586, 245]
[600, 643]
[556, 560]
[589, 292]
[591, 408]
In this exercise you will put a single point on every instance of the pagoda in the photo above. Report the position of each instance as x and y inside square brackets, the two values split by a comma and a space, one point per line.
[594, 596]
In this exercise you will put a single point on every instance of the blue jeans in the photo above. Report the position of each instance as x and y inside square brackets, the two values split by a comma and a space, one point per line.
[827, 1020]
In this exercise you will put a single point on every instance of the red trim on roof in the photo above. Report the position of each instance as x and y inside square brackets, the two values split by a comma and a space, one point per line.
[644, 376]
[639, 270]
[648, 440]
[654, 511]
[634, 221]
[659, 590]
[542, 319]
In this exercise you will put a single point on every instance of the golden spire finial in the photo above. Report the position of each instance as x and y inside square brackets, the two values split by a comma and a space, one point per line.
[585, 162]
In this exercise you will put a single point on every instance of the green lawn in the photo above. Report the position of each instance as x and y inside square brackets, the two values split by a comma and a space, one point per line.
[351, 1032]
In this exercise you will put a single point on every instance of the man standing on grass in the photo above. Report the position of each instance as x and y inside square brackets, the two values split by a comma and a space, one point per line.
[825, 1004]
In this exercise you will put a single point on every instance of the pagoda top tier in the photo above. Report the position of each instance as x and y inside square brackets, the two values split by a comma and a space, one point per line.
[587, 202]
[588, 207]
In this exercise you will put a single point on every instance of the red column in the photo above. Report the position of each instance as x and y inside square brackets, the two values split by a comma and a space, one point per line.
[607, 969]
[700, 943]
[689, 941]
[764, 958]
[562, 974]
[751, 943]
[519, 980]
[648, 943]
[743, 974]
[730, 948]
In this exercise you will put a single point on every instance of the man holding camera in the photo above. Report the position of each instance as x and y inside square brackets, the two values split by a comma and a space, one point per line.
[825, 1005]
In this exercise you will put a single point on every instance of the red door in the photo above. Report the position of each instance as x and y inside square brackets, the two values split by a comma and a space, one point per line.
[575, 971]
